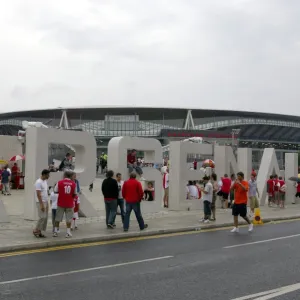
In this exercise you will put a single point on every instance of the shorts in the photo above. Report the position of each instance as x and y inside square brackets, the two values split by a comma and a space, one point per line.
[166, 192]
[239, 210]
[253, 202]
[281, 196]
[270, 197]
[219, 193]
[60, 214]
[225, 196]
[207, 208]
[297, 194]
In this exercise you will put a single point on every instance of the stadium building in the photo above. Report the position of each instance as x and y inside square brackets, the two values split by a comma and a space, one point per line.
[236, 128]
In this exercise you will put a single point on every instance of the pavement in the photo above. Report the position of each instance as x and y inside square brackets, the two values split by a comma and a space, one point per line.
[17, 235]
[215, 265]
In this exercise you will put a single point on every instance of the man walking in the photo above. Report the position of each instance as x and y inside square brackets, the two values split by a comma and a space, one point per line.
[239, 208]
[133, 193]
[41, 199]
[110, 191]
[120, 201]
[66, 190]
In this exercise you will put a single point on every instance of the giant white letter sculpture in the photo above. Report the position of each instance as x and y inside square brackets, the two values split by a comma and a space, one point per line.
[291, 170]
[117, 161]
[225, 161]
[268, 166]
[180, 174]
[245, 161]
[37, 144]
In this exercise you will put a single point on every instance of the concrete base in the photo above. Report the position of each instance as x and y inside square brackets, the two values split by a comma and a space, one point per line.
[86, 208]
[3, 215]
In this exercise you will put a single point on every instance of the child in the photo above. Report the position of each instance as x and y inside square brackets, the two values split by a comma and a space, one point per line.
[149, 192]
[76, 203]
[53, 202]
[75, 215]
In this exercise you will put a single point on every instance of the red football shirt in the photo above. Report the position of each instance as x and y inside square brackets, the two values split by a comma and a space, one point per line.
[271, 184]
[226, 185]
[276, 188]
[66, 189]
[131, 159]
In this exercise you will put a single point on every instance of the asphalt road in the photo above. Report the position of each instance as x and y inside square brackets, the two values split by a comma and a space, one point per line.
[209, 265]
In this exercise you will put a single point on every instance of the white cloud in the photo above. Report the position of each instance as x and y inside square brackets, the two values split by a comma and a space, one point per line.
[233, 54]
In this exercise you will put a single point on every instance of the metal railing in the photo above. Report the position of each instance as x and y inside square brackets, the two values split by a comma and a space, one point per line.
[99, 128]
[246, 121]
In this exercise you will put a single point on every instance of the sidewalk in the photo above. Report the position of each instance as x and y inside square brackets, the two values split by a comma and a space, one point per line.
[17, 235]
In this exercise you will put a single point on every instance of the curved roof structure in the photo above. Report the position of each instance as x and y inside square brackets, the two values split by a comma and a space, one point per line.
[145, 113]
[151, 121]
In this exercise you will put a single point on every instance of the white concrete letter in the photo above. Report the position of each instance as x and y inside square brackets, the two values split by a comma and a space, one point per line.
[291, 170]
[37, 141]
[117, 161]
[268, 166]
[245, 161]
[225, 161]
[180, 173]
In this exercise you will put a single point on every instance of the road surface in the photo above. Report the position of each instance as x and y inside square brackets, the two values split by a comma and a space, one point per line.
[214, 265]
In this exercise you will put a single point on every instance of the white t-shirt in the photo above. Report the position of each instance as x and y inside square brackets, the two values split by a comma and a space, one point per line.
[220, 184]
[41, 185]
[193, 191]
[166, 180]
[53, 198]
[8, 169]
[120, 185]
[209, 189]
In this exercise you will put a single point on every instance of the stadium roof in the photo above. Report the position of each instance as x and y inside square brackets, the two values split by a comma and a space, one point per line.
[252, 125]
[145, 113]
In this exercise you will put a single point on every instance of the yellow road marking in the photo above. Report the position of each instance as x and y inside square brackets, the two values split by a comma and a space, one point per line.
[126, 240]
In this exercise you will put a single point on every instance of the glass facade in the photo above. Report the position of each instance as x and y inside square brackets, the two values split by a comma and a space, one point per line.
[255, 133]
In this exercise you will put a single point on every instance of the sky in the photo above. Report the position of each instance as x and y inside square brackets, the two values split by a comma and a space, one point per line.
[216, 54]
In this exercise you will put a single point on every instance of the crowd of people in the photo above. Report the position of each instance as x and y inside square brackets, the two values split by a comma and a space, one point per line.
[234, 192]
[127, 195]
[239, 188]
[276, 191]
[8, 178]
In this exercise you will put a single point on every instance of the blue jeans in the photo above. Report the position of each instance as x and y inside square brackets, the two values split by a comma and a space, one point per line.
[136, 207]
[121, 204]
[53, 217]
[138, 169]
[111, 211]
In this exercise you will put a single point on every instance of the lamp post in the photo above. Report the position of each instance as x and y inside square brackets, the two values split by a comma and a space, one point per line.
[234, 134]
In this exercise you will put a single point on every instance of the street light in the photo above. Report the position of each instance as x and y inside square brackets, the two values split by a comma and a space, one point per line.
[234, 133]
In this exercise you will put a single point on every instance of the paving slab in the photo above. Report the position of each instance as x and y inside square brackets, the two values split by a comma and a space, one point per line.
[17, 234]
